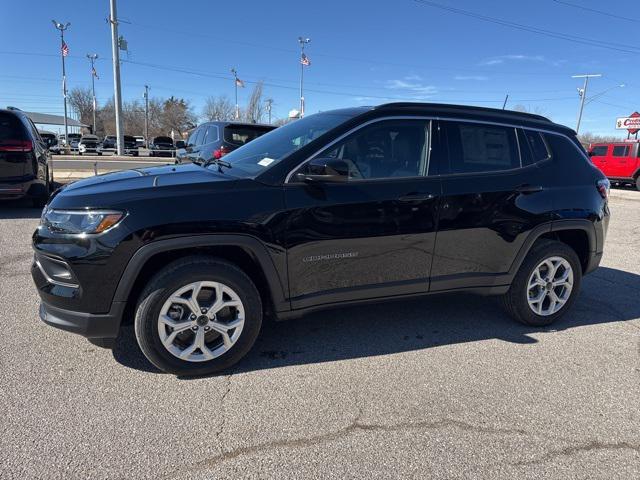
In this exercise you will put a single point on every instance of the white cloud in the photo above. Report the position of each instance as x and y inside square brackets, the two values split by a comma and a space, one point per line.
[513, 58]
[477, 78]
[413, 87]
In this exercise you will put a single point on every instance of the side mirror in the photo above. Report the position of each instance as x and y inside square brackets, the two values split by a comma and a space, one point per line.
[180, 144]
[590, 154]
[330, 170]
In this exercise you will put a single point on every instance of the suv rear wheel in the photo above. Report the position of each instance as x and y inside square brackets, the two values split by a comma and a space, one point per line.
[546, 285]
[197, 316]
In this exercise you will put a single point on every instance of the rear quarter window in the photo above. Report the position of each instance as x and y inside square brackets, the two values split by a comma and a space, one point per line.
[239, 135]
[11, 128]
[537, 146]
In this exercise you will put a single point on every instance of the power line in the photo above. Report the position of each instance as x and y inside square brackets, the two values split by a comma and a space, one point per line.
[599, 12]
[518, 26]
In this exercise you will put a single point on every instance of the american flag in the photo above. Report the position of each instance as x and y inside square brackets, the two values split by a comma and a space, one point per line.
[94, 73]
[65, 49]
[239, 83]
[304, 60]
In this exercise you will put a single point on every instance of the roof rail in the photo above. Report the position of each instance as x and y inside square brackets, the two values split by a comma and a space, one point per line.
[453, 107]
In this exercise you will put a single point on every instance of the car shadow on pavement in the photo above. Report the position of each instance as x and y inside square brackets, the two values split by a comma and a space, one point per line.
[608, 295]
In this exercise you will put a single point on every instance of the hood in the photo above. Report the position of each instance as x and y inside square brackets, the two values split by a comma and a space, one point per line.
[119, 186]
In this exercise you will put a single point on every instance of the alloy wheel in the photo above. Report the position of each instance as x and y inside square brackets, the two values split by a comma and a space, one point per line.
[201, 321]
[549, 286]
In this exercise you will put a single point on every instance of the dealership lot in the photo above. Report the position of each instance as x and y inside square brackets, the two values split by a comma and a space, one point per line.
[441, 387]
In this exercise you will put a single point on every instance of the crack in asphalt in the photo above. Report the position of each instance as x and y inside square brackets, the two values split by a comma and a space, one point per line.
[222, 409]
[354, 427]
[575, 449]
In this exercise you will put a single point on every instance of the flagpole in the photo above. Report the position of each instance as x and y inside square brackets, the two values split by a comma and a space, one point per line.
[92, 58]
[235, 83]
[303, 42]
[62, 28]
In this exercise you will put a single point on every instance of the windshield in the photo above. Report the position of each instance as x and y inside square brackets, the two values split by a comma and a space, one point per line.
[268, 149]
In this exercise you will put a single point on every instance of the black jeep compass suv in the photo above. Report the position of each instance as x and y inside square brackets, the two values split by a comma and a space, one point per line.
[353, 205]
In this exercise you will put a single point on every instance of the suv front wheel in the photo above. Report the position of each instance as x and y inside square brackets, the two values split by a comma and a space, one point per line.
[198, 316]
[546, 285]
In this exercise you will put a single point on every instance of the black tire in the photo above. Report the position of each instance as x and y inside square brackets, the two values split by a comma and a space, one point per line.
[515, 301]
[180, 273]
[638, 183]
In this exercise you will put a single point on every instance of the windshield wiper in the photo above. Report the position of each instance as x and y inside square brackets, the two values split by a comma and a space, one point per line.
[217, 161]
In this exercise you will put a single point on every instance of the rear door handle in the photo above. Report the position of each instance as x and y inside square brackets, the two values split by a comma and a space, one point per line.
[416, 197]
[529, 188]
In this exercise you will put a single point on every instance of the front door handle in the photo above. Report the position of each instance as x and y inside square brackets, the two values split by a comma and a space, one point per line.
[529, 188]
[416, 197]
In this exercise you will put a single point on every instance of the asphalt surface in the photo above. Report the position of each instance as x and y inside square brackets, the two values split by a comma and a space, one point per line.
[104, 162]
[443, 387]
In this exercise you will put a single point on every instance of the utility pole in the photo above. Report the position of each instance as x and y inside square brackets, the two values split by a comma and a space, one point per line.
[269, 103]
[303, 61]
[146, 114]
[117, 94]
[582, 92]
[64, 51]
[236, 80]
[92, 58]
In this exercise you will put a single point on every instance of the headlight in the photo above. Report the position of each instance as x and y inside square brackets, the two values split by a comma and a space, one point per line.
[80, 221]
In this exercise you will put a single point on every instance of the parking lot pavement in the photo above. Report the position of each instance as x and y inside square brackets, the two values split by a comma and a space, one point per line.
[442, 387]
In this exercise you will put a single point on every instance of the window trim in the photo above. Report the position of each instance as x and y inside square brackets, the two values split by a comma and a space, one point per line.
[433, 119]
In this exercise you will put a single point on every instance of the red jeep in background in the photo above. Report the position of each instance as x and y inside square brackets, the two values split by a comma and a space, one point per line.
[619, 161]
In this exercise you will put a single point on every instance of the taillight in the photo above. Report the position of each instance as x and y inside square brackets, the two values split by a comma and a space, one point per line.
[219, 153]
[603, 187]
[16, 145]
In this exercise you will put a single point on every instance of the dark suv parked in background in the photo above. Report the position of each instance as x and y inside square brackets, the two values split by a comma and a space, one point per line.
[130, 144]
[25, 167]
[216, 139]
[345, 206]
[160, 146]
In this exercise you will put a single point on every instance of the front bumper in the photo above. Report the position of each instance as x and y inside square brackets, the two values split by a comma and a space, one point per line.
[86, 324]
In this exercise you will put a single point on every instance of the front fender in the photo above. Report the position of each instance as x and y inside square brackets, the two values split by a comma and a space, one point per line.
[251, 244]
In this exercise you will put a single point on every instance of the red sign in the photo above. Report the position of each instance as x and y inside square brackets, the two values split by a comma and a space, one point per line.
[630, 123]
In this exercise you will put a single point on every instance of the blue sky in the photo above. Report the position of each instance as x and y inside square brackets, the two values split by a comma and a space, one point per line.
[362, 53]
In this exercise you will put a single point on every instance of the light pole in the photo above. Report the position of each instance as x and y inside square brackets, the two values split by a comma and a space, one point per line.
[583, 94]
[269, 103]
[113, 20]
[146, 114]
[64, 51]
[92, 59]
[304, 61]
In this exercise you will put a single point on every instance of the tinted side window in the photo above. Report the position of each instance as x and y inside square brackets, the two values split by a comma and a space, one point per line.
[599, 150]
[621, 150]
[212, 134]
[566, 152]
[537, 145]
[384, 150]
[476, 148]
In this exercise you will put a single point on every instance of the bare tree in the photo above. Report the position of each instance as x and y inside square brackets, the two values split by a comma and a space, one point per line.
[218, 109]
[177, 115]
[587, 138]
[536, 110]
[81, 101]
[255, 107]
